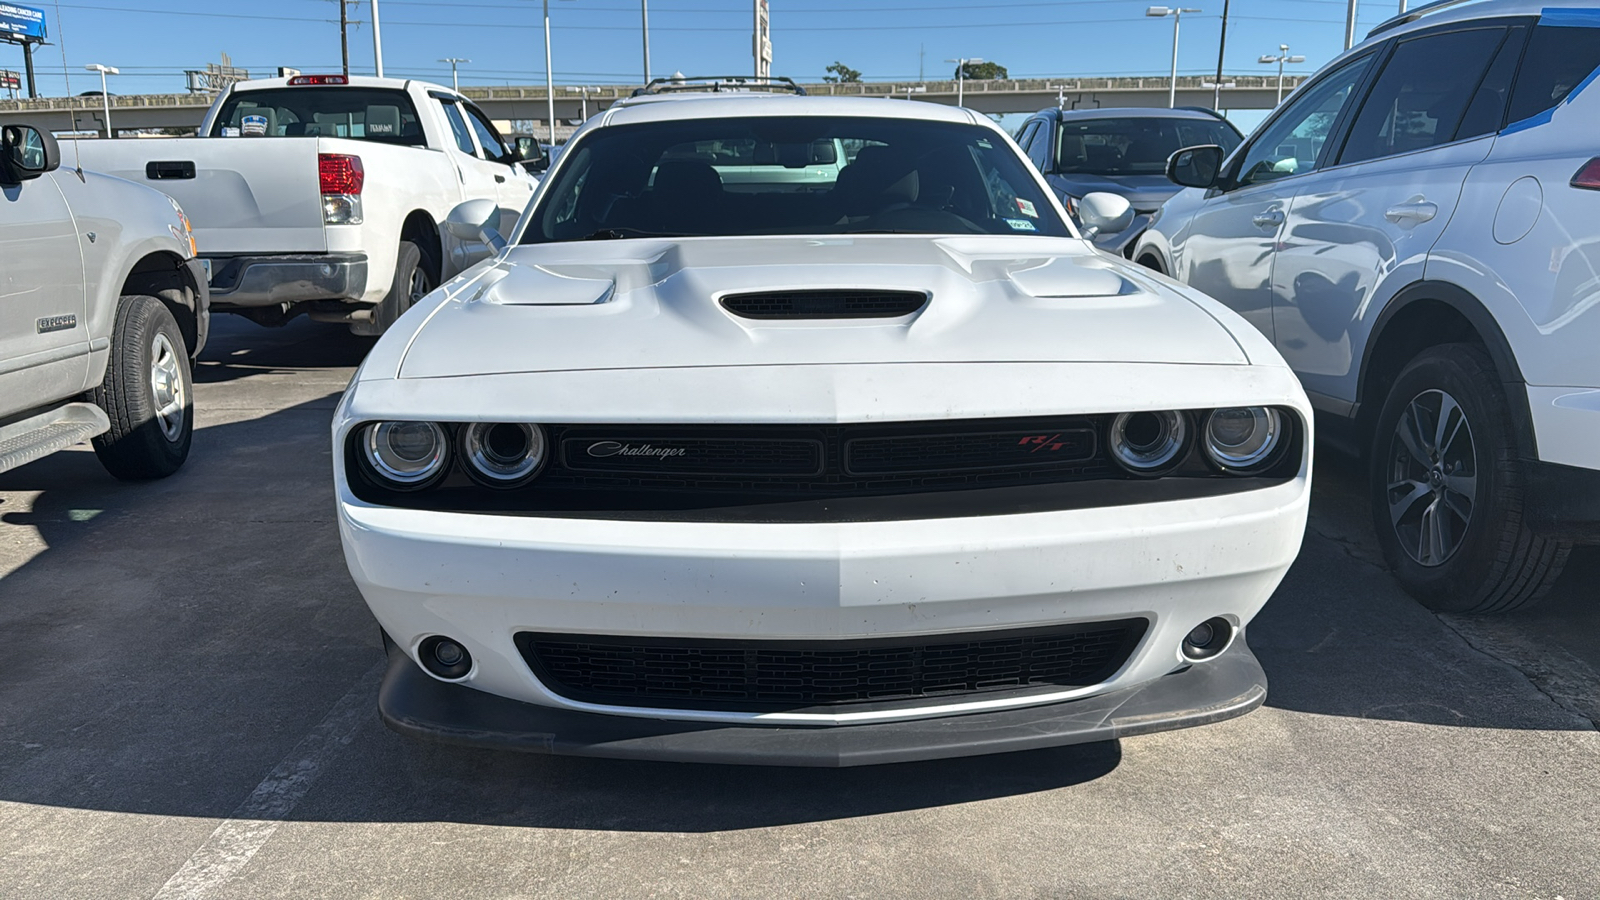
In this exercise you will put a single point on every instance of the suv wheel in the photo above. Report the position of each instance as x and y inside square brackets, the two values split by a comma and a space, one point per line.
[1447, 489]
[147, 393]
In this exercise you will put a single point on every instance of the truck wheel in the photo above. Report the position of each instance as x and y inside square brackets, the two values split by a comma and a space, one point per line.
[147, 394]
[411, 283]
[1447, 489]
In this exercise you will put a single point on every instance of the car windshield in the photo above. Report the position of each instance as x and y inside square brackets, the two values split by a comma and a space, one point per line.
[1134, 146]
[791, 175]
[330, 111]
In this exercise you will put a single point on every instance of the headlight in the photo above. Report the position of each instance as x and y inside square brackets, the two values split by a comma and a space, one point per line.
[405, 455]
[1149, 443]
[504, 454]
[1243, 440]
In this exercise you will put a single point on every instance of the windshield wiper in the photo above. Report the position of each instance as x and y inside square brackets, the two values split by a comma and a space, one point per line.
[614, 234]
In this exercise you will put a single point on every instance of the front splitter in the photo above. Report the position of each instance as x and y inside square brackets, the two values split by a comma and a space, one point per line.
[420, 706]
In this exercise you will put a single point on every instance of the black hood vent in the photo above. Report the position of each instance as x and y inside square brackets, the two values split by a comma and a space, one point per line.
[846, 304]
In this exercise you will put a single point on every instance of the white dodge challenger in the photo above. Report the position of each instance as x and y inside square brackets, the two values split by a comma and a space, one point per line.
[807, 431]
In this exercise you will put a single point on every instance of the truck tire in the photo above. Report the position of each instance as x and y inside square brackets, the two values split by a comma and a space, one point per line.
[1447, 489]
[412, 282]
[147, 393]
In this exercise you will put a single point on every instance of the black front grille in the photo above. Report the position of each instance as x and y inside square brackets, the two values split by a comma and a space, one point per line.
[825, 304]
[966, 452]
[668, 453]
[769, 675]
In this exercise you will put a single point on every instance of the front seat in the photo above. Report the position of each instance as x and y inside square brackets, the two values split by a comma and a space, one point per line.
[878, 180]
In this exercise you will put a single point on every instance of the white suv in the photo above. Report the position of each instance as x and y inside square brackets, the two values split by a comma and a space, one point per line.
[1418, 230]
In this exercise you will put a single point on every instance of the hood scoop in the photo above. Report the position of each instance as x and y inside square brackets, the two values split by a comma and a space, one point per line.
[825, 304]
[525, 285]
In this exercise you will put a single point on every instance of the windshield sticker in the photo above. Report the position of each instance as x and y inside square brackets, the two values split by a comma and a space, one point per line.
[1020, 225]
[254, 126]
[984, 143]
[229, 131]
[1027, 208]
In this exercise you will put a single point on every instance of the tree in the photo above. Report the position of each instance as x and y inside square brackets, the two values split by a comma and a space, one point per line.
[842, 74]
[982, 71]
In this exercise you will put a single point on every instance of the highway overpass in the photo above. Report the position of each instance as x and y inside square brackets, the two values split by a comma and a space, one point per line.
[527, 103]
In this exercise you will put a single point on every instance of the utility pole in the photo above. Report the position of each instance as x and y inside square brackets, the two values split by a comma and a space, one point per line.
[550, 78]
[377, 39]
[644, 21]
[922, 57]
[1350, 26]
[1222, 49]
[344, 35]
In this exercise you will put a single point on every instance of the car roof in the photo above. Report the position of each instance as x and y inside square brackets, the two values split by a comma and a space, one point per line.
[359, 81]
[1442, 12]
[1131, 112]
[738, 104]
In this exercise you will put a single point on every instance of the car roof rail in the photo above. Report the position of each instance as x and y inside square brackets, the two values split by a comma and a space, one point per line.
[1215, 114]
[719, 83]
[1415, 13]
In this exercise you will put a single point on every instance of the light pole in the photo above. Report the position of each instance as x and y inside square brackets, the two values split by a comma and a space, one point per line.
[1350, 26]
[644, 22]
[1176, 12]
[1282, 57]
[453, 60]
[549, 78]
[961, 76]
[377, 39]
[105, 98]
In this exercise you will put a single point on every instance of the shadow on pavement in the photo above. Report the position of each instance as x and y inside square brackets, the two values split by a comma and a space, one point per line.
[177, 639]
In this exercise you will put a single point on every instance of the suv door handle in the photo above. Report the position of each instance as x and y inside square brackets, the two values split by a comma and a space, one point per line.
[1272, 218]
[1414, 211]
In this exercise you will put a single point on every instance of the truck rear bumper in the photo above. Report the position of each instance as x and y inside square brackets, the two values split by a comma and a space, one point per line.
[247, 281]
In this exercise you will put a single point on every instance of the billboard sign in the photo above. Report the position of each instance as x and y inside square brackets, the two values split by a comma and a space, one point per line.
[21, 23]
[10, 81]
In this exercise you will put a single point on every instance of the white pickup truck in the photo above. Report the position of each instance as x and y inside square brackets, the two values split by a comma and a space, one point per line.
[324, 194]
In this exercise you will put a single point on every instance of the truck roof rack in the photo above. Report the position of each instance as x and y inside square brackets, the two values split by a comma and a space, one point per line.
[1412, 15]
[718, 83]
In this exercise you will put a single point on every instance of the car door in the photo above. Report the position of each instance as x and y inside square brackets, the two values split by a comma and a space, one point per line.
[1360, 229]
[480, 178]
[514, 185]
[1231, 241]
[44, 338]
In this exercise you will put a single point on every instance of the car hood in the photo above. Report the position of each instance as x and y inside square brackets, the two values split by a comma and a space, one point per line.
[640, 304]
[1145, 192]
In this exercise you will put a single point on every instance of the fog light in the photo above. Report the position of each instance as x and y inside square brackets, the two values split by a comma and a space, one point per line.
[1208, 639]
[444, 658]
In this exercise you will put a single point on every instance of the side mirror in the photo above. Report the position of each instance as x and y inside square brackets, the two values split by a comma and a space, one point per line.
[1196, 167]
[26, 153]
[1103, 213]
[475, 221]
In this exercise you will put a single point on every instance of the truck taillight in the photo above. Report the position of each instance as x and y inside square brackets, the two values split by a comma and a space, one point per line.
[341, 174]
[342, 179]
[1588, 176]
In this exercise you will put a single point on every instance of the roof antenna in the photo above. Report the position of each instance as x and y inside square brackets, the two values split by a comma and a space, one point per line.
[66, 76]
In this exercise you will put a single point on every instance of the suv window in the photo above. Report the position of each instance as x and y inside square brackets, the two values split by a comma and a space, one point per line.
[369, 114]
[1292, 142]
[1419, 98]
[494, 147]
[1488, 110]
[1136, 145]
[1039, 151]
[1557, 61]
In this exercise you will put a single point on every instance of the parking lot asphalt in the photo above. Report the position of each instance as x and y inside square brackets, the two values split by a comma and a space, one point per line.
[187, 709]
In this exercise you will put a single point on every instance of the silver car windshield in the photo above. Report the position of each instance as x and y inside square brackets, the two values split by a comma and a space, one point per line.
[791, 175]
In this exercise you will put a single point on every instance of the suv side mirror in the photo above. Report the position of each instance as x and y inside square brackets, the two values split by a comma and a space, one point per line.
[1196, 167]
[26, 153]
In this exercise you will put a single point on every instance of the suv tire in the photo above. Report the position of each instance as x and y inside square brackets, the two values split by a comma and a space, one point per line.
[1447, 489]
[147, 393]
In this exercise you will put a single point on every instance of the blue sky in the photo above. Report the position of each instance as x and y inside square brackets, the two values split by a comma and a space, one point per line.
[598, 41]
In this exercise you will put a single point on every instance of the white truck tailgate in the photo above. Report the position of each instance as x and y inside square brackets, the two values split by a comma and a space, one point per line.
[242, 195]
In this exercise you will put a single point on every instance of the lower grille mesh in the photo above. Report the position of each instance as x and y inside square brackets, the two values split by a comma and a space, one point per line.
[756, 675]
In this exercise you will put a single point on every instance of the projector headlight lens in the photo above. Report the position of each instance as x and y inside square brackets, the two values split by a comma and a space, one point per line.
[503, 454]
[1243, 439]
[405, 455]
[1149, 443]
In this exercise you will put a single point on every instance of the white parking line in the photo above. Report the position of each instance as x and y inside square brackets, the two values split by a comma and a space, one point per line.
[230, 847]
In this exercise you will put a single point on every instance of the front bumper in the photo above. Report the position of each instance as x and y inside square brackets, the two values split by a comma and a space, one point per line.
[248, 281]
[417, 705]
